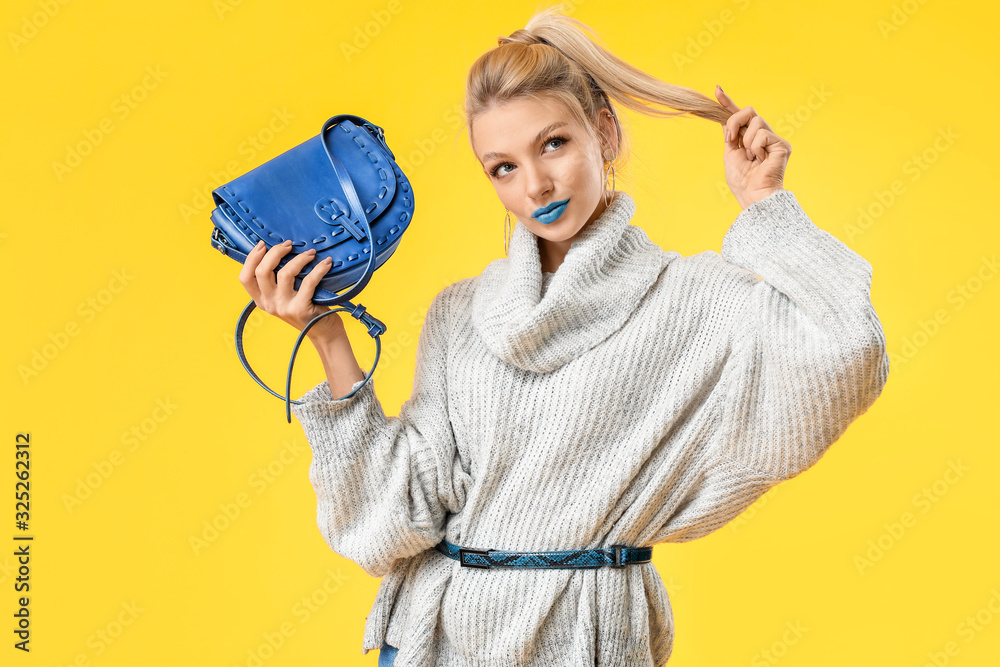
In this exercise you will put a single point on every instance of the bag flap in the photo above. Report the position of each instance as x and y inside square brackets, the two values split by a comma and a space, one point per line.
[290, 194]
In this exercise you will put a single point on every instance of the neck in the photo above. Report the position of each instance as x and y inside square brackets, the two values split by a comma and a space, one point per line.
[552, 253]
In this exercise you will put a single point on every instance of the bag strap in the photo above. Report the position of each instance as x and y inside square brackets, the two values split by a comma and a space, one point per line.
[347, 185]
[375, 327]
[372, 128]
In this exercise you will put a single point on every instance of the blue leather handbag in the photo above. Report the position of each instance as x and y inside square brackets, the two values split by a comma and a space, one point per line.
[340, 192]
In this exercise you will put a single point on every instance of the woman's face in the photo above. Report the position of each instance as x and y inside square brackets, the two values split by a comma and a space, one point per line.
[545, 166]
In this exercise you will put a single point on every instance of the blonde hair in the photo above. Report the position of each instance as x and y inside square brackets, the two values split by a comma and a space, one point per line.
[552, 58]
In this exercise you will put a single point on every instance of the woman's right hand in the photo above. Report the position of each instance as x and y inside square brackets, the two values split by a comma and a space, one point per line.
[276, 294]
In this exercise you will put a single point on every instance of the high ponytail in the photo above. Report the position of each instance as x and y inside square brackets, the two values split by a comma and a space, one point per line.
[553, 57]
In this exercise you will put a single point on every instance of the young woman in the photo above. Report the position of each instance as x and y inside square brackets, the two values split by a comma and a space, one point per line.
[589, 395]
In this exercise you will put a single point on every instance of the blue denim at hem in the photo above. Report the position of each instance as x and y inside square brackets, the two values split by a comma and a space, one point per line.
[387, 655]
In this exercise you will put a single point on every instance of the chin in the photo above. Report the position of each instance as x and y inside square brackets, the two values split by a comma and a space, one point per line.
[560, 230]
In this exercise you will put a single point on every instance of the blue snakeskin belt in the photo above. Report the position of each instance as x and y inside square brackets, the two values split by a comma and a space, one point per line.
[618, 555]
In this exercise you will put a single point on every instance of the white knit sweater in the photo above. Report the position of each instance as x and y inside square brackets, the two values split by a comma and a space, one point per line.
[641, 397]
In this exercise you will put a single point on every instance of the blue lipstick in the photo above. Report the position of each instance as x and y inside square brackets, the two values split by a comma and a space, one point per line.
[549, 214]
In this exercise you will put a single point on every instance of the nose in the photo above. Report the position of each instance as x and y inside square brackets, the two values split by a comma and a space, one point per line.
[538, 182]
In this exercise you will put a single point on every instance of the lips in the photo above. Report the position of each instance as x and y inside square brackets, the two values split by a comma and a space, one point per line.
[551, 212]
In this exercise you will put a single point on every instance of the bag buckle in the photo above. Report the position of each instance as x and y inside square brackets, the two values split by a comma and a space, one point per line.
[220, 237]
[375, 325]
[380, 134]
[618, 555]
[479, 552]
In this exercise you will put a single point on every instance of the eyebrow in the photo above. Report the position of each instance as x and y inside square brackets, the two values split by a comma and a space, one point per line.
[541, 135]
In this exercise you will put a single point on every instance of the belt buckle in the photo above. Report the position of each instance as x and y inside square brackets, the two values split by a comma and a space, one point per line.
[618, 555]
[478, 552]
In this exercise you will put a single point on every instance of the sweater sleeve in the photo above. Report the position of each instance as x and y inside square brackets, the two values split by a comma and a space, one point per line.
[384, 485]
[808, 352]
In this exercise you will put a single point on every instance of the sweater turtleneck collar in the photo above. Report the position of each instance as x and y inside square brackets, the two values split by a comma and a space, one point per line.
[606, 273]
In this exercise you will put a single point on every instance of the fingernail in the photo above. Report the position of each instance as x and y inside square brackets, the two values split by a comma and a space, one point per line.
[259, 245]
[727, 134]
[719, 87]
[328, 260]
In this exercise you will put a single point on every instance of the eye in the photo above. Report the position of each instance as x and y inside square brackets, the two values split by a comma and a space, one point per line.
[493, 172]
[551, 140]
[561, 140]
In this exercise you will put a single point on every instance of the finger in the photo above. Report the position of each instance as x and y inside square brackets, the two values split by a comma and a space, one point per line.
[725, 100]
[731, 128]
[264, 272]
[732, 136]
[755, 125]
[763, 142]
[308, 285]
[736, 122]
[739, 142]
[247, 277]
[728, 131]
[287, 273]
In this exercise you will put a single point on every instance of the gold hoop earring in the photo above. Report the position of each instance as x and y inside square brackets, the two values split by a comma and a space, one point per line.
[507, 234]
[609, 157]
[611, 170]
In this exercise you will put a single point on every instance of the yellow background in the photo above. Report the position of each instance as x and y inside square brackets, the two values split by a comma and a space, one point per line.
[861, 90]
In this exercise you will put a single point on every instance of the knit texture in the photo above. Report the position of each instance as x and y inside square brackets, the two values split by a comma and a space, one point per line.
[634, 396]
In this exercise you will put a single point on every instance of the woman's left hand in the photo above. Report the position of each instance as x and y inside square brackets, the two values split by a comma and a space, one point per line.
[755, 157]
